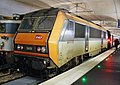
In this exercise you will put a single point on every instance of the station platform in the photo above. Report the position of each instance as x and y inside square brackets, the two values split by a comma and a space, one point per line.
[105, 73]
[103, 69]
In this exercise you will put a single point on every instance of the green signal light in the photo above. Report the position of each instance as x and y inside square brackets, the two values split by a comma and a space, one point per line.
[99, 66]
[84, 79]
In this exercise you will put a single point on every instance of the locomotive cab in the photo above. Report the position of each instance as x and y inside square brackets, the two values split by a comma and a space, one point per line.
[31, 40]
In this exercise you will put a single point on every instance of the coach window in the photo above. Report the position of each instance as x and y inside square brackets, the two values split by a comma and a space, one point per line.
[95, 33]
[79, 30]
[69, 31]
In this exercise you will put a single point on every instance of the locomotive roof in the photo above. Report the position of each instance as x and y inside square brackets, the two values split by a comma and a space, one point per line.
[51, 11]
[43, 12]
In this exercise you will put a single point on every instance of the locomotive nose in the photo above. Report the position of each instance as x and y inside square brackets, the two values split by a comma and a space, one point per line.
[31, 43]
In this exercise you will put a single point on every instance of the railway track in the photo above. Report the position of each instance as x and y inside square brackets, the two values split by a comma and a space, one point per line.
[9, 76]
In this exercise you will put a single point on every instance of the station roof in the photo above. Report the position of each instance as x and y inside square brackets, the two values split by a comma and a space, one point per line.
[103, 12]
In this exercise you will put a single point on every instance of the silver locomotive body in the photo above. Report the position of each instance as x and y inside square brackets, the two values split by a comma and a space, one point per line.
[8, 29]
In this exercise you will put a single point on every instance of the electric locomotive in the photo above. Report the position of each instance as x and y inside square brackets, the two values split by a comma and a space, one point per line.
[56, 39]
[8, 29]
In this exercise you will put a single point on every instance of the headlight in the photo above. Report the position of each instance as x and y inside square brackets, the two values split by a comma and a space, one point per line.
[1, 45]
[38, 49]
[18, 47]
[21, 47]
[43, 49]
